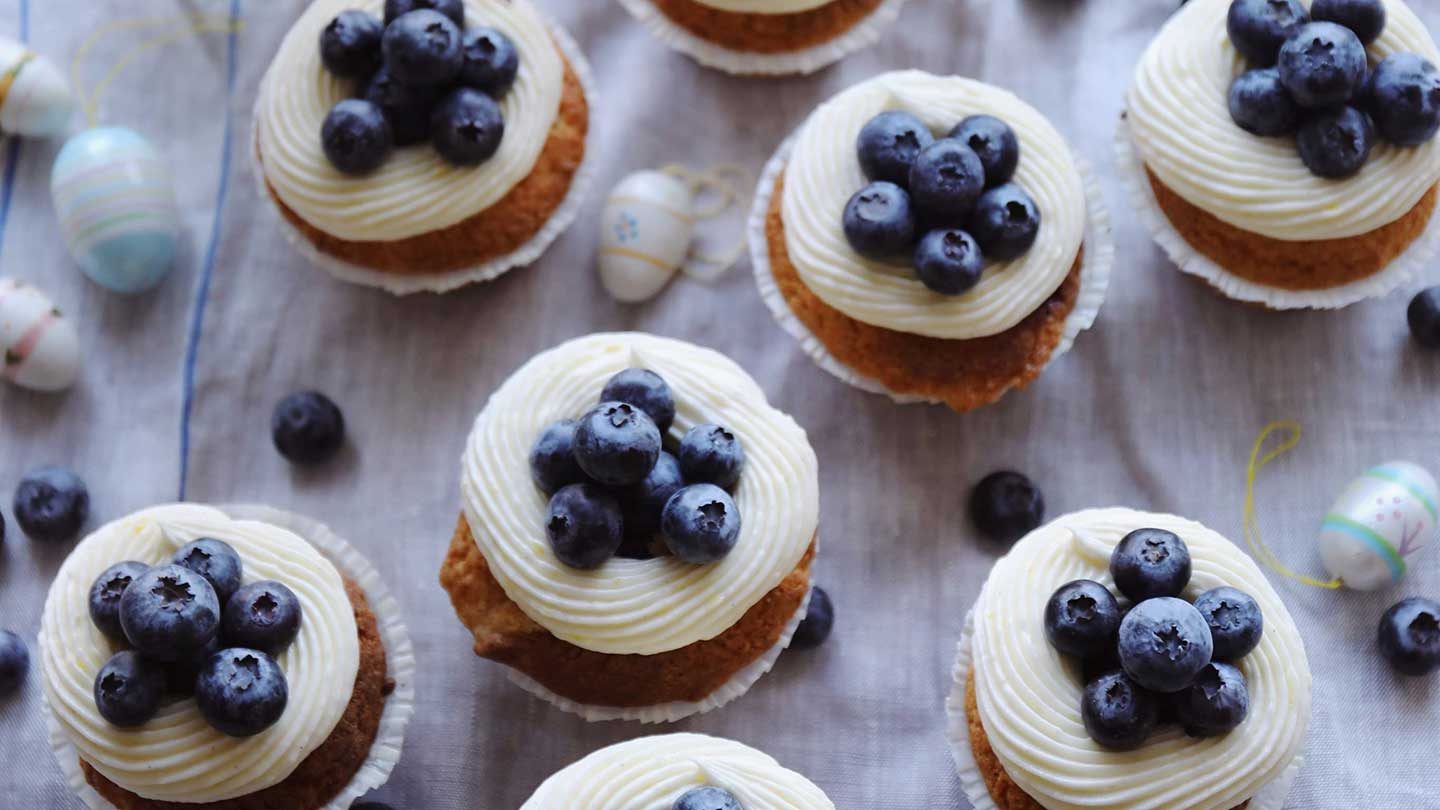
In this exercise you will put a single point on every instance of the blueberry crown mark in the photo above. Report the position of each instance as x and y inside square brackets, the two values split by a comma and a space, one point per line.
[1210, 682]
[437, 34]
[112, 684]
[1225, 614]
[1082, 608]
[471, 130]
[979, 142]
[620, 415]
[265, 606]
[1016, 210]
[713, 513]
[1117, 695]
[721, 436]
[1171, 643]
[559, 523]
[245, 673]
[1155, 551]
[115, 586]
[174, 594]
[197, 557]
[908, 139]
[1425, 629]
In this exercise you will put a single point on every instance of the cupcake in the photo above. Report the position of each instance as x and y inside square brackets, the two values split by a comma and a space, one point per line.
[766, 37]
[681, 771]
[425, 150]
[192, 658]
[1280, 176]
[1062, 698]
[637, 528]
[931, 238]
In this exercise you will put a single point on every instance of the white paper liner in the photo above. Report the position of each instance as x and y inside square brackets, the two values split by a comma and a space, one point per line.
[399, 665]
[1405, 268]
[862, 35]
[1097, 264]
[411, 283]
[738, 685]
[957, 731]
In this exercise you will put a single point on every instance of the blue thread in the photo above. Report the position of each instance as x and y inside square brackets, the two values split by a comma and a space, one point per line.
[12, 153]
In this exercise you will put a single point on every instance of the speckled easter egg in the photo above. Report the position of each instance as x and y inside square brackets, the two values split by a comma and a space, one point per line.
[646, 227]
[116, 204]
[41, 348]
[1378, 522]
[35, 100]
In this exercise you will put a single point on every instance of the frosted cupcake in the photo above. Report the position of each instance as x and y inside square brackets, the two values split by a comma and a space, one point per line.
[423, 150]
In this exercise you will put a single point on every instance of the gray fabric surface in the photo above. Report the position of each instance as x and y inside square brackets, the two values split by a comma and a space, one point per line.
[1155, 408]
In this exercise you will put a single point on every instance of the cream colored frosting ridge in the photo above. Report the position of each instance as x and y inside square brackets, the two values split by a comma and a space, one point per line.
[1028, 694]
[177, 756]
[416, 191]
[652, 772]
[824, 173]
[765, 6]
[1180, 120]
[637, 606]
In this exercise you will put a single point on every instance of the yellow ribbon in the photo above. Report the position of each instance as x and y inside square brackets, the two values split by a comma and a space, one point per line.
[725, 181]
[1251, 525]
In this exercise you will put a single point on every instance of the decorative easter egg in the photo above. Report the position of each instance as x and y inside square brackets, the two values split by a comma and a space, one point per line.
[648, 223]
[116, 204]
[1380, 520]
[42, 349]
[35, 101]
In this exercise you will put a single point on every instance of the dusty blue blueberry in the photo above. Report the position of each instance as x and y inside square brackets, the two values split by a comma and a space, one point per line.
[1403, 97]
[1006, 505]
[1216, 703]
[51, 505]
[879, 221]
[105, 593]
[263, 615]
[1081, 618]
[169, 612]
[491, 61]
[1409, 636]
[994, 142]
[707, 798]
[711, 454]
[645, 390]
[1364, 17]
[350, 44]
[129, 688]
[1236, 623]
[454, 9]
[1164, 643]
[1336, 143]
[307, 428]
[1423, 315]
[642, 503]
[1258, 28]
[214, 560]
[552, 457]
[467, 126]
[241, 692]
[407, 108]
[14, 662]
[819, 621]
[1260, 104]
[700, 524]
[617, 444]
[356, 136]
[945, 182]
[585, 525]
[1150, 562]
[1322, 65]
[423, 48]
[1005, 222]
[887, 146]
[949, 261]
[1118, 713]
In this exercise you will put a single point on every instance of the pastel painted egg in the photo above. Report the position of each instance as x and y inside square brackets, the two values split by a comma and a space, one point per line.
[1383, 518]
[647, 226]
[116, 204]
[35, 100]
[41, 347]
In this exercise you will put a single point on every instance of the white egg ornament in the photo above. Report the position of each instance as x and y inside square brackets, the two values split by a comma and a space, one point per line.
[35, 100]
[41, 347]
[1384, 517]
[647, 226]
[116, 204]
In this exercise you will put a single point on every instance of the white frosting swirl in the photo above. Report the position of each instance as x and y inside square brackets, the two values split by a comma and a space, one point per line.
[650, 773]
[416, 191]
[637, 606]
[824, 173]
[765, 6]
[1028, 694]
[177, 756]
[1180, 119]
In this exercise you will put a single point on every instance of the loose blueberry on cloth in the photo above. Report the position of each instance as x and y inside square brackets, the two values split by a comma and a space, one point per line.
[1006, 506]
[307, 428]
[14, 662]
[1409, 636]
[818, 623]
[51, 505]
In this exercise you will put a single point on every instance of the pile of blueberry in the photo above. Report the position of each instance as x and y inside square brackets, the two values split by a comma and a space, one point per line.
[945, 205]
[420, 76]
[180, 642]
[1311, 79]
[707, 798]
[612, 486]
[1163, 655]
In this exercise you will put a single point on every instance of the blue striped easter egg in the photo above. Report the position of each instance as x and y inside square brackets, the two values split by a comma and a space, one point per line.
[116, 204]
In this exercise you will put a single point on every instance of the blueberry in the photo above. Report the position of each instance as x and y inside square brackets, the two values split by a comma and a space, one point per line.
[1336, 143]
[128, 689]
[407, 108]
[169, 612]
[307, 428]
[1006, 506]
[454, 9]
[642, 503]
[14, 662]
[994, 142]
[214, 560]
[700, 524]
[51, 505]
[585, 525]
[1322, 65]
[949, 261]
[1424, 317]
[180, 675]
[1005, 222]
[356, 136]
[1259, 27]
[617, 444]
[1410, 636]
[1260, 104]
[1150, 562]
[887, 146]
[1364, 17]
[1236, 623]
[1081, 618]
[879, 221]
[2, 528]
[645, 390]
[423, 48]
[241, 692]
[1118, 713]
[264, 616]
[1403, 96]
[1216, 703]
[945, 182]
[707, 798]
[350, 44]
[491, 61]
[105, 595]
[552, 457]
[819, 620]
[1164, 643]
[466, 127]
[711, 454]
